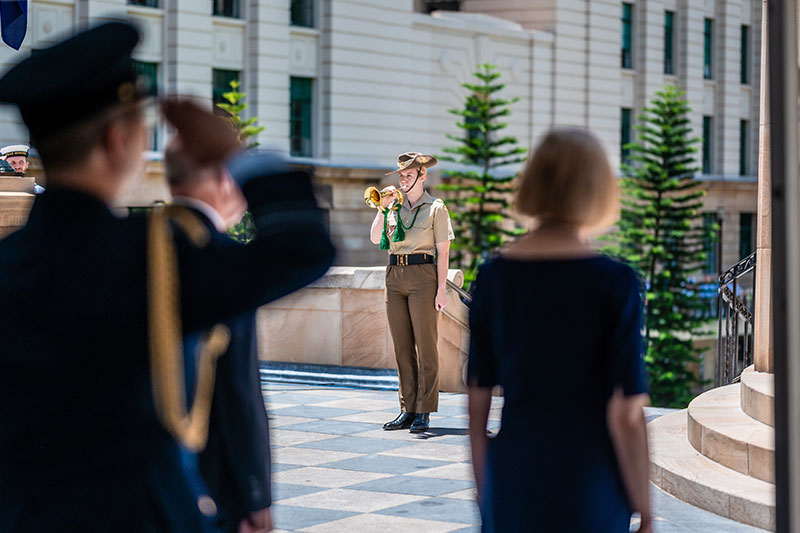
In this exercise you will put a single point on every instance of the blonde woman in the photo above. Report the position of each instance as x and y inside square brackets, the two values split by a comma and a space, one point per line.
[558, 327]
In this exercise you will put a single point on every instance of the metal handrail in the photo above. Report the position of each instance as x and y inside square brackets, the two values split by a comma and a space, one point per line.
[735, 334]
[465, 296]
[739, 269]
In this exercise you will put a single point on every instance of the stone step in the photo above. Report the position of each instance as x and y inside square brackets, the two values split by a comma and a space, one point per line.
[758, 395]
[720, 430]
[677, 468]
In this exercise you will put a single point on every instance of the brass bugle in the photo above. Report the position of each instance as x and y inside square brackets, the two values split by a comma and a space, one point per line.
[373, 197]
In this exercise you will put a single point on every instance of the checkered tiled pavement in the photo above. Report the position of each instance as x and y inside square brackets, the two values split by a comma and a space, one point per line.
[335, 469]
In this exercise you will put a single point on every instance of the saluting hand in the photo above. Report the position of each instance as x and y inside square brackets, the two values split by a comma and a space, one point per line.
[207, 138]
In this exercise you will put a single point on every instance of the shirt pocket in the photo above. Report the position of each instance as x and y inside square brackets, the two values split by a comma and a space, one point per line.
[425, 224]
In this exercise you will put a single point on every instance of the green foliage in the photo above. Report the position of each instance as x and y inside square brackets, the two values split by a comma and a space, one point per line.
[234, 106]
[244, 230]
[662, 235]
[477, 193]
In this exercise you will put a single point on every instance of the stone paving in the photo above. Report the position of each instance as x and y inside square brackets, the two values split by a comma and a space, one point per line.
[336, 470]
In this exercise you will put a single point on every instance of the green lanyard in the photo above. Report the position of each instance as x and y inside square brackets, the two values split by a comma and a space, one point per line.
[400, 219]
[399, 231]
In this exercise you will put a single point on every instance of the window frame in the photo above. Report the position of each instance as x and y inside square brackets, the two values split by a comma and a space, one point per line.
[744, 58]
[746, 238]
[626, 130]
[744, 143]
[305, 119]
[309, 10]
[708, 48]
[669, 42]
[236, 9]
[708, 144]
[711, 245]
[217, 73]
[142, 68]
[627, 60]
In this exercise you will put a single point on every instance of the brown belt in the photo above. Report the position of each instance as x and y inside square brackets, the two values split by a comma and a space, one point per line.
[410, 259]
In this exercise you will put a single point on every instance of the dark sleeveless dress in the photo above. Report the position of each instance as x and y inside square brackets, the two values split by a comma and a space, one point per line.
[558, 335]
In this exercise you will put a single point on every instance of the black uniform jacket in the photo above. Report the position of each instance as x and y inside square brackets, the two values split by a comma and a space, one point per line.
[235, 463]
[81, 448]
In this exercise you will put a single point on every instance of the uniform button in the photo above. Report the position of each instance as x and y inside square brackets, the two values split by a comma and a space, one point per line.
[206, 505]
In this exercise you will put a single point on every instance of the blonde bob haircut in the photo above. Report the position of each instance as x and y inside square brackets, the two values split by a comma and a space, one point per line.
[569, 180]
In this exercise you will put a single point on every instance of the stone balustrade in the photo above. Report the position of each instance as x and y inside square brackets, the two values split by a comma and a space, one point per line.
[341, 320]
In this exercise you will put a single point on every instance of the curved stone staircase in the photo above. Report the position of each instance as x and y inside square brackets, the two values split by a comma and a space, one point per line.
[719, 454]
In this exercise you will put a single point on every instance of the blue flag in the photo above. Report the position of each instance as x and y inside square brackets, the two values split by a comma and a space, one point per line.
[13, 21]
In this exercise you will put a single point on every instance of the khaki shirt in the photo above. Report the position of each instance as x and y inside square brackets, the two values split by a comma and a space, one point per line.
[431, 226]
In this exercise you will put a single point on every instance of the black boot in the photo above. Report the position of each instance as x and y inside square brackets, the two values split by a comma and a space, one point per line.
[421, 423]
[403, 421]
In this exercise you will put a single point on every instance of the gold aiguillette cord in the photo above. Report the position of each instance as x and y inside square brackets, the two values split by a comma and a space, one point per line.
[189, 426]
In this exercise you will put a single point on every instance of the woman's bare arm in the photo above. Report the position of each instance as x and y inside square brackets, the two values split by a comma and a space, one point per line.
[480, 400]
[628, 430]
[376, 230]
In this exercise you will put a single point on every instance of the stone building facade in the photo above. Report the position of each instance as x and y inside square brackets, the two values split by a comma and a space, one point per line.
[343, 86]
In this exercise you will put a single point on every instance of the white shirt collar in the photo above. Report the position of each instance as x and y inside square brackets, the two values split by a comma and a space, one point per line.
[212, 214]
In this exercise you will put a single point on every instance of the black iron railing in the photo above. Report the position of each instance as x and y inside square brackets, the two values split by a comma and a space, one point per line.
[735, 338]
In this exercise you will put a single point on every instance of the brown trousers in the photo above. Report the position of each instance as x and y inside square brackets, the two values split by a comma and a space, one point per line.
[410, 296]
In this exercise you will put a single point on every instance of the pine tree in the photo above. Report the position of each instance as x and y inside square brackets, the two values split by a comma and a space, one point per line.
[661, 233]
[244, 230]
[478, 193]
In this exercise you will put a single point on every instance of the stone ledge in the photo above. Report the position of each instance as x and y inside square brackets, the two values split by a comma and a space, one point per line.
[17, 184]
[720, 430]
[677, 468]
[367, 278]
[758, 395]
[340, 320]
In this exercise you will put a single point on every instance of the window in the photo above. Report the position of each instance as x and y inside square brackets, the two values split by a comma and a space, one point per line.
[146, 3]
[429, 6]
[708, 49]
[708, 140]
[669, 42]
[746, 235]
[226, 8]
[148, 80]
[711, 244]
[221, 80]
[302, 13]
[300, 117]
[745, 64]
[744, 141]
[625, 134]
[627, 35]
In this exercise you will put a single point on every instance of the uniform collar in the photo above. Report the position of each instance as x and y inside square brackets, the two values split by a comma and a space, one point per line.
[210, 213]
[69, 203]
[424, 199]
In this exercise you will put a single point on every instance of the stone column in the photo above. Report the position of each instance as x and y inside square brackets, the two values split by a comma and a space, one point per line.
[762, 335]
[188, 53]
[267, 63]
